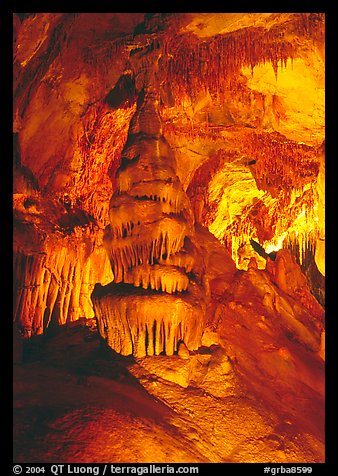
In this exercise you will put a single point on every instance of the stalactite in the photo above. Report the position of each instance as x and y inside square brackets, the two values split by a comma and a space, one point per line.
[134, 249]
[142, 326]
[166, 278]
[184, 62]
[51, 287]
[310, 25]
[286, 170]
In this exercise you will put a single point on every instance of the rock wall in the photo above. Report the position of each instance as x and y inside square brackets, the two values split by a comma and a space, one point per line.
[244, 131]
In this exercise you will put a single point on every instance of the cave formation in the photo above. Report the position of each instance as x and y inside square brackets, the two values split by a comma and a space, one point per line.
[169, 237]
[149, 243]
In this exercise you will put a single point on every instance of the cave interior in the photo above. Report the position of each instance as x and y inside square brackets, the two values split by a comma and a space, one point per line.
[169, 237]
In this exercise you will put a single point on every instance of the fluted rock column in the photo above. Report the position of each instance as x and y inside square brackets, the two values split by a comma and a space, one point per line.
[157, 298]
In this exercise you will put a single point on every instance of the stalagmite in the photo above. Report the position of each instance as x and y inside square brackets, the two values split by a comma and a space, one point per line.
[149, 247]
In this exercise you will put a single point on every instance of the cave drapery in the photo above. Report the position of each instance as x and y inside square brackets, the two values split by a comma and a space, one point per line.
[241, 105]
[149, 242]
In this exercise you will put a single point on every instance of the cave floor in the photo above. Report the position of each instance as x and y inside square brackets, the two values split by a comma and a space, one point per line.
[75, 401]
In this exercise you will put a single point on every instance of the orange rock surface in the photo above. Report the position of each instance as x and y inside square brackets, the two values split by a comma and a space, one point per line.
[169, 181]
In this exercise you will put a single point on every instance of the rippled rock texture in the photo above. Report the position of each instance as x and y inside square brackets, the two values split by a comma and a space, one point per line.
[149, 244]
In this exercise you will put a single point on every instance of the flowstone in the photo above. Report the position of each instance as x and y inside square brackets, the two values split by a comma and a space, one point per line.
[158, 298]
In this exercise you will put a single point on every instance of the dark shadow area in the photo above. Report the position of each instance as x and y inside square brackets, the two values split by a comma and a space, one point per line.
[124, 94]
